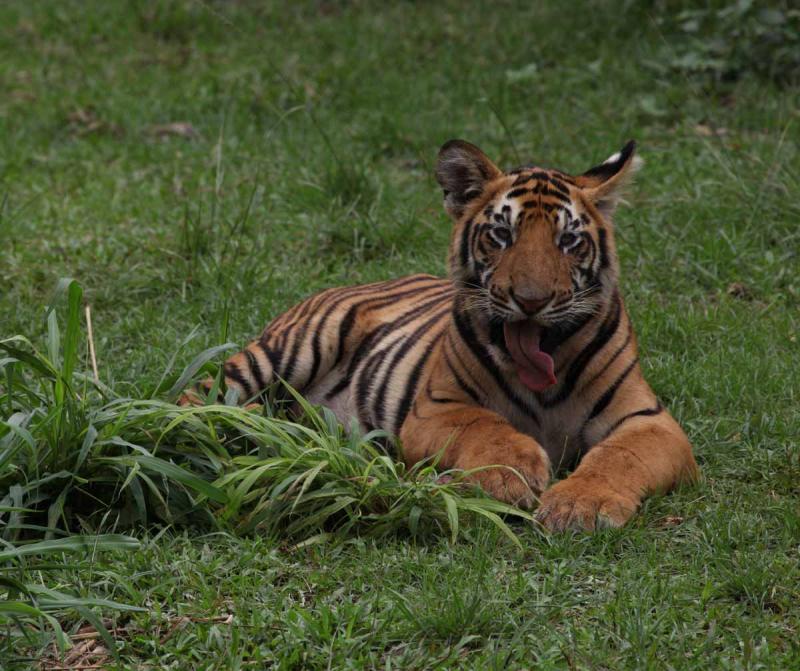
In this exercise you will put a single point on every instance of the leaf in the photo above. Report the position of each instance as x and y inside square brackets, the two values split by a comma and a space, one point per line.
[88, 441]
[413, 519]
[35, 361]
[53, 338]
[56, 509]
[39, 364]
[19, 608]
[452, 515]
[14, 609]
[62, 287]
[97, 623]
[484, 511]
[138, 494]
[50, 600]
[74, 296]
[197, 363]
[308, 477]
[174, 472]
[73, 544]
[18, 431]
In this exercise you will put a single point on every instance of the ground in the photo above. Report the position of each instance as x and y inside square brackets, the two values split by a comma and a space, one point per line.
[196, 163]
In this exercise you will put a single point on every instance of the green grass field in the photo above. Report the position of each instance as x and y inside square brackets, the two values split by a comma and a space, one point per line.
[199, 167]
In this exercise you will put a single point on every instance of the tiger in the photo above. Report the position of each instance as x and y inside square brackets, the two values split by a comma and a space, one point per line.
[520, 364]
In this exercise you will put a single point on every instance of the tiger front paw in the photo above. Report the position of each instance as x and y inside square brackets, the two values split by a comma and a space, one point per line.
[192, 397]
[584, 504]
[518, 479]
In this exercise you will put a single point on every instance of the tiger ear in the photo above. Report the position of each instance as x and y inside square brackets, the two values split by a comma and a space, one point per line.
[604, 185]
[462, 171]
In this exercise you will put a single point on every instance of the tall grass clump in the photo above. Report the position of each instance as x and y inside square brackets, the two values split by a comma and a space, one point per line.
[77, 460]
[76, 455]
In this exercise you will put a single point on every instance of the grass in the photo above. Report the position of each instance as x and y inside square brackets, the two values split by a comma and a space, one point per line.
[305, 161]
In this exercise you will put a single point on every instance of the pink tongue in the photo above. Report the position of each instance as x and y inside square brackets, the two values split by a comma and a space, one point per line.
[534, 367]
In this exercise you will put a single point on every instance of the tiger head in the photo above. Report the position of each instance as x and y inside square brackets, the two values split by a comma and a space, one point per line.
[532, 248]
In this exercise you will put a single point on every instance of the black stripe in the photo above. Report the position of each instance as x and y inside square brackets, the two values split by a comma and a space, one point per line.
[255, 369]
[563, 177]
[269, 353]
[367, 343]
[460, 361]
[536, 174]
[647, 412]
[464, 245]
[345, 327]
[405, 346]
[316, 344]
[475, 232]
[363, 384]
[579, 363]
[590, 254]
[601, 238]
[484, 359]
[274, 355]
[544, 189]
[341, 297]
[315, 302]
[297, 313]
[438, 295]
[286, 373]
[613, 357]
[460, 381]
[435, 399]
[443, 400]
[411, 384]
[235, 374]
[608, 394]
[558, 185]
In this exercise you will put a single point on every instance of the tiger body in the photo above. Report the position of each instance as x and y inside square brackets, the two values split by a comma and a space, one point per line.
[524, 358]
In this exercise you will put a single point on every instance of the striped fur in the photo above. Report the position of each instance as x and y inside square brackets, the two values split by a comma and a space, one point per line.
[427, 359]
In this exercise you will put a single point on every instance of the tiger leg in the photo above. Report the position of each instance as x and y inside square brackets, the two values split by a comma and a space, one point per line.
[645, 455]
[513, 467]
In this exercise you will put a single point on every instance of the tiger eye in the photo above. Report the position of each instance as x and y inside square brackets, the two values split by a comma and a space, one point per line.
[567, 240]
[502, 234]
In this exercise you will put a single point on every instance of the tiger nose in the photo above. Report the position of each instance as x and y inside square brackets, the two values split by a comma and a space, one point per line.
[532, 305]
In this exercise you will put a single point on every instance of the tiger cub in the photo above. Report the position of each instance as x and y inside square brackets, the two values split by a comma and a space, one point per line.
[524, 358]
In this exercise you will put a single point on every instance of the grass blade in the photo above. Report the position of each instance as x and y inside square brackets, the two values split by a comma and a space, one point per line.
[73, 544]
[452, 515]
[183, 476]
[197, 363]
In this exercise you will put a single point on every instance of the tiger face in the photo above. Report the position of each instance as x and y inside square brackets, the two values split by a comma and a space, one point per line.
[531, 243]
[532, 248]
